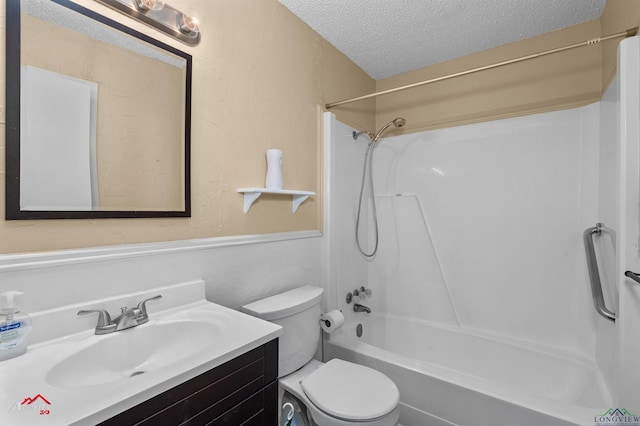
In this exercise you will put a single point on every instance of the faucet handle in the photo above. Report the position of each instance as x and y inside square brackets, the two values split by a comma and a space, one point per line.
[142, 309]
[104, 319]
[362, 292]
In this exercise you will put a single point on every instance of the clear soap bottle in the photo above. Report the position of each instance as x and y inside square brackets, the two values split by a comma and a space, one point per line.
[15, 327]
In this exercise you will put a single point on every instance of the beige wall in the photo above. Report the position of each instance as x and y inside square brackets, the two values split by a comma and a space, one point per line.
[259, 75]
[558, 81]
[140, 126]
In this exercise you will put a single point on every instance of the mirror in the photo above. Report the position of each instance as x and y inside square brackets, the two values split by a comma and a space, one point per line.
[98, 117]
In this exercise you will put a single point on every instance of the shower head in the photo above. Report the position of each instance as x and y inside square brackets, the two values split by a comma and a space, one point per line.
[397, 122]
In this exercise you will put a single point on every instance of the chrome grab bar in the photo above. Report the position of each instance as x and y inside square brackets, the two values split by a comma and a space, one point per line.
[594, 273]
[635, 277]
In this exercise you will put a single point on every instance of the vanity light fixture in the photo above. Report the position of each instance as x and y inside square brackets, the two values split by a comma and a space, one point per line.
[160, 15]
[188, 24]
[146, 5]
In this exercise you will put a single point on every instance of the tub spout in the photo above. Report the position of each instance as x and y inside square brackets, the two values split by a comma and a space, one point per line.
[360, 308]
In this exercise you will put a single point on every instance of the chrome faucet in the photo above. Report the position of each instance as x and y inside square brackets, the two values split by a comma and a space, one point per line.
[130, 317]
[361, 308]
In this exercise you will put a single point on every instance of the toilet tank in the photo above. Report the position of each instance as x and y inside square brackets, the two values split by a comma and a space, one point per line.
[298, 312]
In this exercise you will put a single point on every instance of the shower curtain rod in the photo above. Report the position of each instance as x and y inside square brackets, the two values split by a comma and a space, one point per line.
[628, 33]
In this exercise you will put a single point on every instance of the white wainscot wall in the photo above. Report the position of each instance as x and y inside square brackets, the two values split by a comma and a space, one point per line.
[236, 270]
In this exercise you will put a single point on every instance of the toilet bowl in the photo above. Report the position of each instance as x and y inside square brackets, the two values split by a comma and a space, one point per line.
[336, 393]
[349, 412]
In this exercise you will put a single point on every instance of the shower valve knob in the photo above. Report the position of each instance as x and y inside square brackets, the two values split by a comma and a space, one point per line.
[363, 292]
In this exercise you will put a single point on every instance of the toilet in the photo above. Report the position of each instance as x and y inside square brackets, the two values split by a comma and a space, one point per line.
[335, 393]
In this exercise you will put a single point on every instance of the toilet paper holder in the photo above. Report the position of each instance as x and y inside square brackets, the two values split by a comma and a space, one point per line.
[326, 321]
[331, 321]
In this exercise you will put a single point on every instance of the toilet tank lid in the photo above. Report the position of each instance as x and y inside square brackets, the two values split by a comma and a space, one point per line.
[284, 304]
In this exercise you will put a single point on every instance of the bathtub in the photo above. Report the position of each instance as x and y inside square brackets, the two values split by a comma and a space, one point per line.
[449, 376]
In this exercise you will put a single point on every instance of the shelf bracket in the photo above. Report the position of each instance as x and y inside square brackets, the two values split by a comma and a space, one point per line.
[252, 194]
[249, 198]
[297, 200]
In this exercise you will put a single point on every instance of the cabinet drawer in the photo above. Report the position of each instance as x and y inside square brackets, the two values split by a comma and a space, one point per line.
[212, 394]
[260, 409]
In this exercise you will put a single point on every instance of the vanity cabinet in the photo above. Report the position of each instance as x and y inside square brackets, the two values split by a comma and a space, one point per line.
[243, 391]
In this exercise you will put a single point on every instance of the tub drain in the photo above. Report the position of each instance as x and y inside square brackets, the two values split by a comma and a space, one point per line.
[359, 330]
[136, 373]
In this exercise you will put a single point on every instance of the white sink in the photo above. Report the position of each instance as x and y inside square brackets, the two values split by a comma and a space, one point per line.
[79, 378]
[123, 355]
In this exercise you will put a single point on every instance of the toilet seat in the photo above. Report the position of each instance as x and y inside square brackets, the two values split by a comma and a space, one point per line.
[350, 391]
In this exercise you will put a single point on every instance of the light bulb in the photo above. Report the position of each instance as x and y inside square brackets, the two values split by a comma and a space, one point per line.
[188, 24]
[147, 5]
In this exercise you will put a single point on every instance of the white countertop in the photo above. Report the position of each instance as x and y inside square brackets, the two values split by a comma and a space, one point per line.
[25, 377]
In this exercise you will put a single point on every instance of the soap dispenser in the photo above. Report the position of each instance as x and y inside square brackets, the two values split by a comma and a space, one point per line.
[15, 327]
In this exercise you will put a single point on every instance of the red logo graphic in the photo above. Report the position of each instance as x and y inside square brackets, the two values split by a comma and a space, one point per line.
[27, 405]
[29, 401]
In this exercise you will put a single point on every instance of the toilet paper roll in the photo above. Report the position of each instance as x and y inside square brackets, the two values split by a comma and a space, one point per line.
[331, 321]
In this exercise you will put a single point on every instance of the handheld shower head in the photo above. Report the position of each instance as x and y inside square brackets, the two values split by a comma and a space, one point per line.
[397, 122]
[368, 164]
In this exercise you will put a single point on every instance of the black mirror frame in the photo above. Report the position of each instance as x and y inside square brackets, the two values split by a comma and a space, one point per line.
[12, 154]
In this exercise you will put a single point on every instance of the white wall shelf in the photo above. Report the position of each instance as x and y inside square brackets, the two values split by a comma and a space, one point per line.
[252, 194]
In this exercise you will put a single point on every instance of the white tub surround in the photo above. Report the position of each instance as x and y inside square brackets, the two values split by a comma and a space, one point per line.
[103, 392]
[480, 251]
[480, 291]
[472, 379]
[618, 347]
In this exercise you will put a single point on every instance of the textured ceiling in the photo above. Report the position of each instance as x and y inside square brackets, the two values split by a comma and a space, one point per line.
[389, 37]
